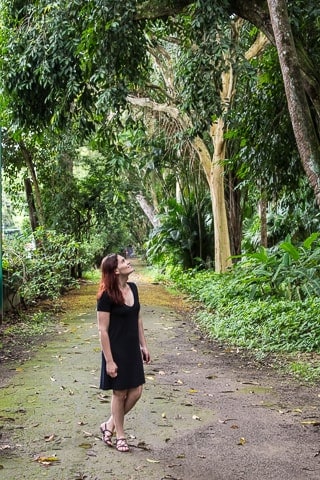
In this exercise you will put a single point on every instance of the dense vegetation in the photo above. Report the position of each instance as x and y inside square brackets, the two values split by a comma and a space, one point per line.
[171, 128]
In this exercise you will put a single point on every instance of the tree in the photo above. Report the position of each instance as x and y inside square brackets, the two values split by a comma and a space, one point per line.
[302, 123]
[102, 51]
[298, 63]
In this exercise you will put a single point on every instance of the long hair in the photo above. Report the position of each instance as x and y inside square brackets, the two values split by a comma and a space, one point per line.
[109, 280]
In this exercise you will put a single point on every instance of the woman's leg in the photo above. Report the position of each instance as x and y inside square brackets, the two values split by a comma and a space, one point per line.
[131, 397]
[122, 402]
[117, 410]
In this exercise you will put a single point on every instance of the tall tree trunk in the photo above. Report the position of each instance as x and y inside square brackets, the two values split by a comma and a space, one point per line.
[303, 127]
[221, 232]
[214, 171]
[31, 206]
[148, 210]
[234, 214]
[34, 184]
[263, 210]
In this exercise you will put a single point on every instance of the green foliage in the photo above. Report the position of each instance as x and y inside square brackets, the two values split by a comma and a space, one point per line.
[306, 370]
[269, 162]
[69, 59]
[203, 59]
[269, 302]
[184, 236]
[41, 272]
[30, 325]
[266, 324]
[286, 271]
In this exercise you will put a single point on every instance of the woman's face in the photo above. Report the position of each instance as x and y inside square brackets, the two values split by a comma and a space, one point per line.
[124, 266]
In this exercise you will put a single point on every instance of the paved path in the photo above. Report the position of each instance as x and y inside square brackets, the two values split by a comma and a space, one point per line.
[206, 412]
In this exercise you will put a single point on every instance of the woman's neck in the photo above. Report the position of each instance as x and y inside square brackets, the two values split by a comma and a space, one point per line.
[123, 282]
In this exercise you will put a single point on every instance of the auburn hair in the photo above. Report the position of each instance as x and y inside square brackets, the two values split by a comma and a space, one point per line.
[109, 279]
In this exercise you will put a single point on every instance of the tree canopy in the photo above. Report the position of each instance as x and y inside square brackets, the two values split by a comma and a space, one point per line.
[110, 74]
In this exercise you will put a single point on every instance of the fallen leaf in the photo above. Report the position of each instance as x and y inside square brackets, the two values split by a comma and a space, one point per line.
[242, 441]
[85, 445]
[181, 455]
[227, 420]
[192, 390]
[143, 445]
[46, 460]
[311, 422]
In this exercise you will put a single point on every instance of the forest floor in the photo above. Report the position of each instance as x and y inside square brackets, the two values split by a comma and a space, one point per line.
[207, 411]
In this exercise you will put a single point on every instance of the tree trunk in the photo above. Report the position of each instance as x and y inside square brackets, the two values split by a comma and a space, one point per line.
[148, 210]
[303, 127]
[31, 206]
[263, 209]
[221, 232]
[214, 171]
[34, 184]
[234, 214]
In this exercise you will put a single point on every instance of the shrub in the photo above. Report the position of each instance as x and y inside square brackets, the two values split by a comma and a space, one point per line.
[44, 271]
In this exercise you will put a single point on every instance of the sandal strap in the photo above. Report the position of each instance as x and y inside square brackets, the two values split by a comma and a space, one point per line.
[122, 445]
[106, 434]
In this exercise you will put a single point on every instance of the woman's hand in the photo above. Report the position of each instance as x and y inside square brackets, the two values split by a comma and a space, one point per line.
[112, 369]
[145, 355]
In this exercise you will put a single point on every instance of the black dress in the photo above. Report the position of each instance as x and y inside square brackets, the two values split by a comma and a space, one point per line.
[124, 341]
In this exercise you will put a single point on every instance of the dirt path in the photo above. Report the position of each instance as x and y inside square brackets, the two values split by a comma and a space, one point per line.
[206, 412]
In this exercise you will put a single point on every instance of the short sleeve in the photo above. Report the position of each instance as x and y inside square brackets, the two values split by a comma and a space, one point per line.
[104, 303]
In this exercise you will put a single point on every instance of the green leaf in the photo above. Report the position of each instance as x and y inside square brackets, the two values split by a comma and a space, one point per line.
[293, 251]
[309, 241]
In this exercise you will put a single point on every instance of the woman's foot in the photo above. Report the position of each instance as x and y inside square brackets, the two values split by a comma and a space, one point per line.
[121, 445]
[106, 434]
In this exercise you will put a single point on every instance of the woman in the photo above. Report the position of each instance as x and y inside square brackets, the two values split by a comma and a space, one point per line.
[123, 345]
